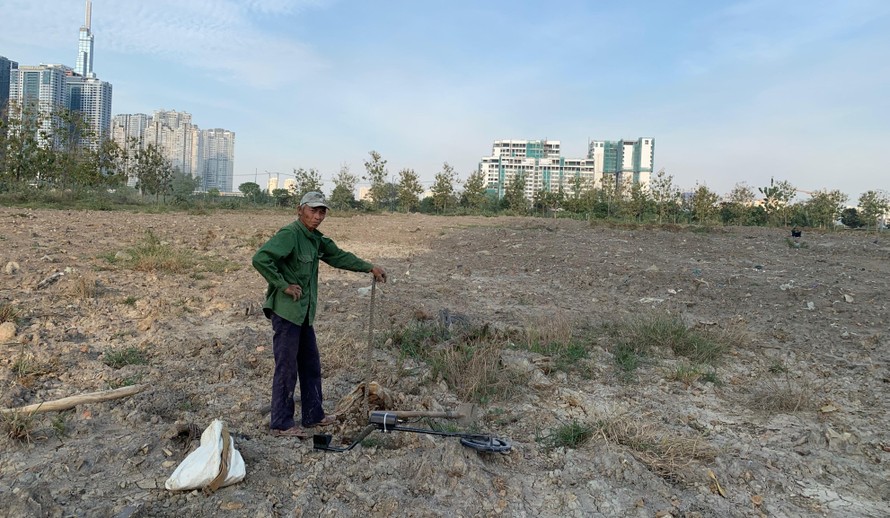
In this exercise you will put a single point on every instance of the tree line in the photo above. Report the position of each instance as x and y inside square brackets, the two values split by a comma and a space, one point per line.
[662, 201]
[60, 151]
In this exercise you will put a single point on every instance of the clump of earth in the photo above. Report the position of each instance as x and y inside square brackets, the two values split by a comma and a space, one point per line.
[809, 316]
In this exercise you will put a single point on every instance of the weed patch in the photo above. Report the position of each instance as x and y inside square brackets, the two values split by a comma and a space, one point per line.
[153, 255]
[635, 340]
[121, 358]
[555, 337]
[571, 435]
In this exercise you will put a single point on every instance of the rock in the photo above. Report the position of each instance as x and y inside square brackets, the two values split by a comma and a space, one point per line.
[11, 268]
[7, 331]
[122, 256]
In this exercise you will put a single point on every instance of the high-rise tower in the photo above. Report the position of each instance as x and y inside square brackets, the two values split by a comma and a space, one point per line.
[84, 65]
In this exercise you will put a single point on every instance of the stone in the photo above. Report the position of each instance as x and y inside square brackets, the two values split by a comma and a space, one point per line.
[11, 268]
[7, 331]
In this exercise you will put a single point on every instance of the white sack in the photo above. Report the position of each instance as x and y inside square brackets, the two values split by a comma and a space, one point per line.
[202, 465]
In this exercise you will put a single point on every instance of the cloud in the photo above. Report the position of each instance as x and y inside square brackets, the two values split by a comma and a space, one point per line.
[221, 37]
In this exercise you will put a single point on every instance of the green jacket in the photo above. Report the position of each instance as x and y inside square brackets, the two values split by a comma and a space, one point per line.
[291, 257]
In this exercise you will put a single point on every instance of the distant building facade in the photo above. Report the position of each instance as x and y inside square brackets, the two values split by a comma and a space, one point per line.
[6, 66]
[35, 93]
[624, 160]
[217, 159]
[41, 91]
[205, 154]
[538, 162]
[541, 164]
[92, 99]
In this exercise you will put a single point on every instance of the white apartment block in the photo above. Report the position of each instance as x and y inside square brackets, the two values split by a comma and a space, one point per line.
[544, 169]
[539, 162]
[624, 160]
[35, 91]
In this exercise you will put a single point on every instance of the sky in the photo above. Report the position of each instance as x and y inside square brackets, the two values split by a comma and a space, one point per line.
[732, 91]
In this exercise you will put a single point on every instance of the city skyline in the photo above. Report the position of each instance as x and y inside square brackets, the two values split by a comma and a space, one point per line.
[733, 91]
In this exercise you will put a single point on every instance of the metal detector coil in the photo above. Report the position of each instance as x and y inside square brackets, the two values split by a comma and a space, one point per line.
[389, 422]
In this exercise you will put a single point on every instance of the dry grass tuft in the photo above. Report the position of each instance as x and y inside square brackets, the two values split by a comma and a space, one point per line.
[474, 372]
[18, 425]
[340, 350]
[554, 336]
[777, 396]
[8, 313]
[84, 287]
[663, 451]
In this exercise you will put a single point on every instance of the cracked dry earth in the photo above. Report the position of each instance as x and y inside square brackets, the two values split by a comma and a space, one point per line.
[810, 320]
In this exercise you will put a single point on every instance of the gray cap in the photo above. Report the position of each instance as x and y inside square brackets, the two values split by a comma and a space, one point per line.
[314, 199]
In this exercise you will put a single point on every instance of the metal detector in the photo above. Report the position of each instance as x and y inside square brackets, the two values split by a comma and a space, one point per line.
[390, 422]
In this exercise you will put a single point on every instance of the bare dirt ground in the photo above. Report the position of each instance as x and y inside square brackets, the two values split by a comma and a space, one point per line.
[813, 323]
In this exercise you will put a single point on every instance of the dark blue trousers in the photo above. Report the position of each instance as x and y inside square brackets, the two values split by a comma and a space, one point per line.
[296, 356]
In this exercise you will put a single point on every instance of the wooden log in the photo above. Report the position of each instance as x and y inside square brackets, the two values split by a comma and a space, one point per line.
[72, 401]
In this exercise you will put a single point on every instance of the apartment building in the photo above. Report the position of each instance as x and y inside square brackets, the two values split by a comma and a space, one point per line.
[624, 160]
[541, 164]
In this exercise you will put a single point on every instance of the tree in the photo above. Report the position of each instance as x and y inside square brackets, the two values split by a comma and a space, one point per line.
[704, 204]
[343, 196]
[306, 181]
[738, 204]
[873, 205]
[375, 173]
[409, 190]
[23, 159]
[514, 195]
[443, 187]
[251, 191]
[850, 218]
[824, 207]
[282, 197]
[776, 200]
[153, 172]
[183, 186]
[639, 201]
[475, 195]
[665, 195]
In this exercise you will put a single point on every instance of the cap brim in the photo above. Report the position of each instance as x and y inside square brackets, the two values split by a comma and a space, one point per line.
[316, 204]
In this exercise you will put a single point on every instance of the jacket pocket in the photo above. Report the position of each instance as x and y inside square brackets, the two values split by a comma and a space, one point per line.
[304, 266]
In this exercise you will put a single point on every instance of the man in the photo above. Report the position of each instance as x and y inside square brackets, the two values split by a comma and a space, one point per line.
[289, 263]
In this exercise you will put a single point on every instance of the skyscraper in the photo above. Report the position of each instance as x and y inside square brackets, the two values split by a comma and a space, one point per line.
[41, 92]
[92, 98]
[218, 159]
[6, 67]
[84, 65]
[35, 92]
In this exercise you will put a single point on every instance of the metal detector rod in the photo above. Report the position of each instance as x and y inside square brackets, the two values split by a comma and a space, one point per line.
[370, 350]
